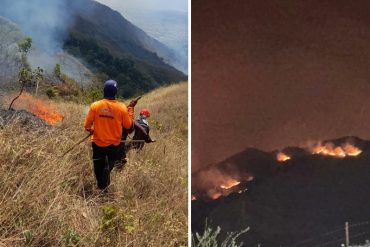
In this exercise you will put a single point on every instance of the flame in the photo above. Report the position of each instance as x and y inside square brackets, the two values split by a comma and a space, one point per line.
[281, 157]
[329, 149]
[193, 198]
[229, 184]
[351, 150]
[213, 183]
[39, 108]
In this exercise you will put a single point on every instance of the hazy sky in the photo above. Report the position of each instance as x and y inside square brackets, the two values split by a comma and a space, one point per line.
[179, 5]
[270, 74]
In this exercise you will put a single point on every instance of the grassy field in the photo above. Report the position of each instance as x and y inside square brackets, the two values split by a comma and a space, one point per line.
[46, 200]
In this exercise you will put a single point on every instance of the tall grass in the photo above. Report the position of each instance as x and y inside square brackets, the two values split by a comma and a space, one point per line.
[46, 200]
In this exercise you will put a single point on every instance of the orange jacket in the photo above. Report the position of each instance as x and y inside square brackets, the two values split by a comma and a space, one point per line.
[107, 117]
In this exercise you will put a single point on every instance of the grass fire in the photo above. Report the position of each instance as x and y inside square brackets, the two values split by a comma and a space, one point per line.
[282, 157]
[49, 200]
[229, 184]
[214, 181]
[323, 185]
[330, 149]
[42, 109]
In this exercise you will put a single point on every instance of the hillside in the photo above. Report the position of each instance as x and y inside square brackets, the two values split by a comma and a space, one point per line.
[51, 201]
[302, 201]
[168, 27]
[9, 56]
[102, 38]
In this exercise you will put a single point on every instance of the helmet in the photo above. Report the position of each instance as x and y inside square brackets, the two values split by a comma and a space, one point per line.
[145, 112]
[110, 89]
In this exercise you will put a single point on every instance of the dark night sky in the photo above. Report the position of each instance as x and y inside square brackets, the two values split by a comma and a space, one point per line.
[268, 74]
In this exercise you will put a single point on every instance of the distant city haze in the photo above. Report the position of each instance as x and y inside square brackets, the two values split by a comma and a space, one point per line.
[270, 74]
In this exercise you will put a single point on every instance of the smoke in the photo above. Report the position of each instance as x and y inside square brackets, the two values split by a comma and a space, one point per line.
[280, 74]
[70, 65]
[9, 54]
[215, 181]
[46, 22]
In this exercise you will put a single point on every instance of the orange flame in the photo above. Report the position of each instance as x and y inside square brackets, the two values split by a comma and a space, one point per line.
[282, 157]
[329, 149]
[39, 108]
[229, 184]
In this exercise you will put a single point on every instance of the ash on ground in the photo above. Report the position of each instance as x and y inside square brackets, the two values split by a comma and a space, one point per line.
[22, 118]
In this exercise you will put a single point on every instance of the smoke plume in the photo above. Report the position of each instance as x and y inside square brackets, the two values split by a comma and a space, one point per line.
[271, 74]
[46, 22]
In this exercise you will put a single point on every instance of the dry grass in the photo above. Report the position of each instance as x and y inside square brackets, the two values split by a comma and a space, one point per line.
[46, 200]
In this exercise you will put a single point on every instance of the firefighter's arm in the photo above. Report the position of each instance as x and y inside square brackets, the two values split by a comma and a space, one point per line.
[128, 117]
[89, 121]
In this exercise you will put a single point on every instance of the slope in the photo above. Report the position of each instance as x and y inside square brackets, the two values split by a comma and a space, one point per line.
[101, 37]
[295, 203]
[51, 201]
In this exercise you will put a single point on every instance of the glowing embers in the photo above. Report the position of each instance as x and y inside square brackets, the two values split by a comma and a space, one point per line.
[282, 157]
[329, 149]
[229, 184]
[39, 108]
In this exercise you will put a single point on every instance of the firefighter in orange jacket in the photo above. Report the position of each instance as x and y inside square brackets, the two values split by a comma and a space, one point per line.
[105, 121]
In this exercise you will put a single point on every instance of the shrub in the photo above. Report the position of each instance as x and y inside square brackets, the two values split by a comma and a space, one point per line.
[209, 238]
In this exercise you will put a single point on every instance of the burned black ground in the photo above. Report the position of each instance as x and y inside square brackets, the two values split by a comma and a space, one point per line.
[22, 118]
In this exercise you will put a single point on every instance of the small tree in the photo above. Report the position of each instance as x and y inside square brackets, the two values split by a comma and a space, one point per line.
[25, 45]
[25, 73]
[37, 76]
[57, 71]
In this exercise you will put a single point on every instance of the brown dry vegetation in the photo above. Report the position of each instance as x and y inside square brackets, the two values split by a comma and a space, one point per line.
[46, 200]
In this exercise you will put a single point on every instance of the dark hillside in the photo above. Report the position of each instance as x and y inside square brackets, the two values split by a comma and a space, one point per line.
[302, 198]
[112, 45]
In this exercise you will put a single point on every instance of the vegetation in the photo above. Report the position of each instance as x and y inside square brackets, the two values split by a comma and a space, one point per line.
[57, 71]
[209, 238]
[26, 74]
[47, 200]
[123, 70]
[135, 76]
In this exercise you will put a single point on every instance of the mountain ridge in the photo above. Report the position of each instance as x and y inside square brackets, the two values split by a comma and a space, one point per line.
[107, 42]
[290, 201]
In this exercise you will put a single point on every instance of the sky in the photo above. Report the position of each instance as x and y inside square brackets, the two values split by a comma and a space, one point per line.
[177, 5]
[270, 74]
[164, 20]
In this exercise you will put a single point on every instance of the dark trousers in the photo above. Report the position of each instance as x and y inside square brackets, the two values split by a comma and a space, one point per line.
[104, 159]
